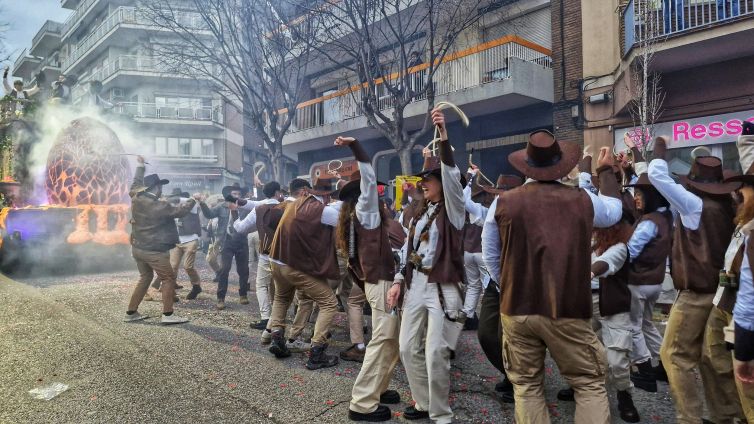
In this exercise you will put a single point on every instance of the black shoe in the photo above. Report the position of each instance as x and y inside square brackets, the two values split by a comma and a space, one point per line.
[382, 413]
[644, 378]
[261, 325]
[367, 310]
[471, 323]
[319, 359]
[452, 355]
[505, 388]
[195, 290]
[390, 397]
[660, 373]
[411, 413]
[278, 345]
[178, 286]
[566, 395]
[216, 279]
[628, 412]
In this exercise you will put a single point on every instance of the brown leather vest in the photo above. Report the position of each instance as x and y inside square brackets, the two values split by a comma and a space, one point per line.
[629, 204]
[396, 233]
[699, 255]
[615, 297]
[649, 267]
[729, 296]
[448, 267]
[303, 242]
[268, 218]
[374, 257]
[545, 233]
[409, 211]
[472, 237]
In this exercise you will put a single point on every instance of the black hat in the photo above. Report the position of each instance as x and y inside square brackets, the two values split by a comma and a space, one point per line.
[153, 180]
[353, 188]
[270, 188]
[432, 166]
[178, 193]
[298, 184]
[235, 187]
[747, 128]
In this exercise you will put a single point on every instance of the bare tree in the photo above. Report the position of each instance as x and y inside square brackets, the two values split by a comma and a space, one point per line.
[389, 52]
[646, 107]
[242, 47]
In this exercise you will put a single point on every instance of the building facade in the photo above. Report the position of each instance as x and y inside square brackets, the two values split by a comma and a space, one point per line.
[703, 55]
[189, 134]
[500, 73]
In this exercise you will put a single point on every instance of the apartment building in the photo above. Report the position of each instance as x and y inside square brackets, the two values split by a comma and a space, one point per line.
[499, 73]
[704, 55]
[190, 135]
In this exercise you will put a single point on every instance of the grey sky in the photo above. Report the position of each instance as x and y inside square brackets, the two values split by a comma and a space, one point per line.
[24, 18]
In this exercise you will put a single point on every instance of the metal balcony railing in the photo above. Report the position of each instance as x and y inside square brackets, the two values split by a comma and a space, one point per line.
[488, 63]
[81, 10]
[655, 19]
[153, 111]
[123, 15]
[50, 27]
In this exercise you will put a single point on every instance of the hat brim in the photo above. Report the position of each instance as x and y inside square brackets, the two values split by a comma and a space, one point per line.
[161, 182]
[181, 194]
[352, 187]
[710, 188]
[228, 189]
[570, 155]
[438, 173]
[747, 179]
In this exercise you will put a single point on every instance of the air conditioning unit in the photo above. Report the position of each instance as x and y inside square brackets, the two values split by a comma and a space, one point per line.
[117, 93]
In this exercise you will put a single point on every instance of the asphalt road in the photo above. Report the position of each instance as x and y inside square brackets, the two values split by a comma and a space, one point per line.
[69, 329]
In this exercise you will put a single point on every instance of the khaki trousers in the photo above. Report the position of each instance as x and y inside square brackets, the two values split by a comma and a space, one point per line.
[425, 352]
[579, 355]
[355, 309]
[213, 254]
[304, 312]
[185, 253]
[716, 366]
[681, 352]
[746, 394]
[287, 281]
[265, 288]
[616, 337]
[150, 263]
[382, 352]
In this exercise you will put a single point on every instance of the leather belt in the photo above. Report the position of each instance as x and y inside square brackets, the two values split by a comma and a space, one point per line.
[424, 270]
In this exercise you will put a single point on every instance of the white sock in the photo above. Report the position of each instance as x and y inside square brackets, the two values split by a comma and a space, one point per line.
[360, 346]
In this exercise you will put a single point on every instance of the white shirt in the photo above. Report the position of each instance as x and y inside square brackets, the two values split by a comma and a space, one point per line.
[368, 204]
[614, 257]
[250, 222]
[607, 212]
[477, 212]
[455, 210]
[683, 202]
[189, 237]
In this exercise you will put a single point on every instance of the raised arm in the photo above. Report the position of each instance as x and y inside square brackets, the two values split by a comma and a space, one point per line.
[138, 181]
[367, 206]
[451, 175]
[608, 207]
[687, 204]
[477, 211]
[247, 224]
[165, 209]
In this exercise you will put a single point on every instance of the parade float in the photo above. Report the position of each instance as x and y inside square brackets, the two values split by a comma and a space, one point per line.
[78, 221]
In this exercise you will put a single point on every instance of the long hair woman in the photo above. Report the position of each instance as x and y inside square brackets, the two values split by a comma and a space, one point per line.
[431, 278]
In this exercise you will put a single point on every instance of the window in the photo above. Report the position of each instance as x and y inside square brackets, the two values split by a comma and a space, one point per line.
[161, 146]
[184, 147]
[208, 147]
[173, 146]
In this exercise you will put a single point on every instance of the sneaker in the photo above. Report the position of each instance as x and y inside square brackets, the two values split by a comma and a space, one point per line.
[134, 317]
[220, 305]
[382, 413]
[266, 337]
[411, 413]
[244, 300]
[353, 353]
[297, 346]
[261, 325]
[318, 359]
[279, 348]
[195, 290]
[172, 319]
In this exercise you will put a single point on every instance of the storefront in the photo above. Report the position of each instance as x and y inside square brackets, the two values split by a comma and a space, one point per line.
[718, 133]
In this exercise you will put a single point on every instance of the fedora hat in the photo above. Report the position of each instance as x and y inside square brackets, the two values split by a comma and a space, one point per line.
[706, 175]
[152, 180]
[178, 193]
[323, 187]
[544, 158]
[432, 167]
[504, 183]
[235, 187]
[353, 187]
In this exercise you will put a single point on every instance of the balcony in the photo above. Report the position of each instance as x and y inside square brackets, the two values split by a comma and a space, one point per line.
[688, 33]
[152, 113]
[504, 74]
[25, 65]
[82, 9]
[122, 16]
[46, 39]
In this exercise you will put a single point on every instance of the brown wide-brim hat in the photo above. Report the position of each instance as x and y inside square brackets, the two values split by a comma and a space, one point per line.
[544, 158]
[504, 183]
[323, 187]
[432, 167]
[707, 175]
[353, 187]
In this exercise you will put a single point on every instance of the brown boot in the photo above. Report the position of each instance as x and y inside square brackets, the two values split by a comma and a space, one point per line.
[353, 353]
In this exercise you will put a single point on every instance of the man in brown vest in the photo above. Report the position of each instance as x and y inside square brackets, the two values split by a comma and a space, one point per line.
[544, 275]
[302, 258]
[703, 228]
